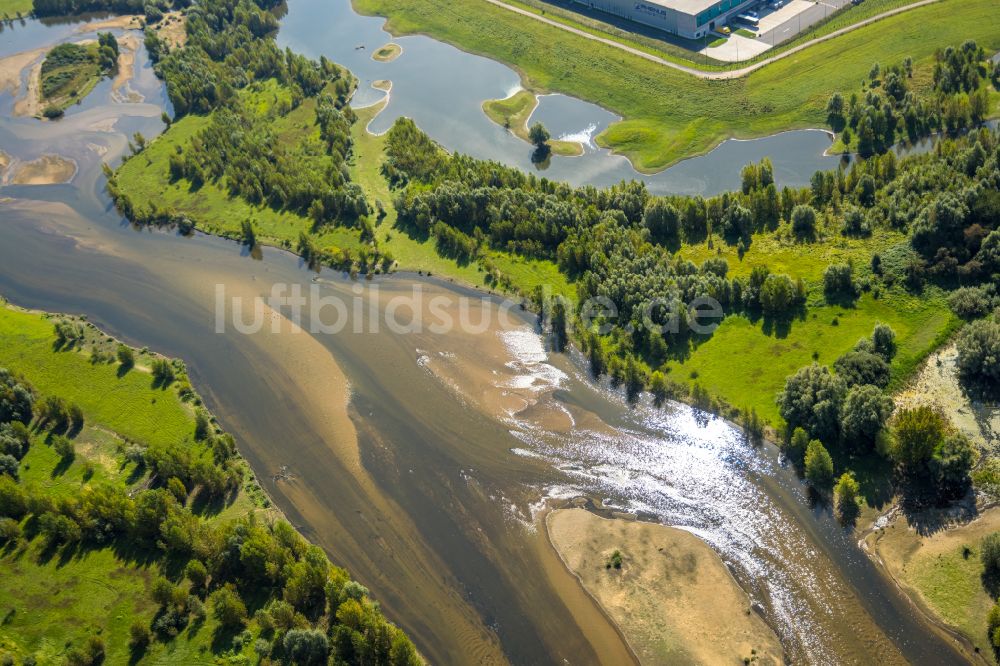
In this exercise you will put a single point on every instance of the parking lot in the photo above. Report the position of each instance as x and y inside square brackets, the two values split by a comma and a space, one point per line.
[794, 18]
[774, 27]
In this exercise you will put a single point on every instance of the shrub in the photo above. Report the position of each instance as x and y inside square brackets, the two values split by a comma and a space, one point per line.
[306, 646]
[970, 302]
[989, 553]
[861, 367]
[838, 280]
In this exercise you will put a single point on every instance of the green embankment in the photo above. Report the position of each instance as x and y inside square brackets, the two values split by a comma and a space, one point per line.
[11, 8]
[146, 177]
[62, 598]
[669, 115]
[514, 112]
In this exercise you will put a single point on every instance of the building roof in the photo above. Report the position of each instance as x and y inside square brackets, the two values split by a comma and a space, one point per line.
[692, 7]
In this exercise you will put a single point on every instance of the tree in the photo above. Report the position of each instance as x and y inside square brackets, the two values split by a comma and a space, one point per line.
[918, 431]
[663, 221]
[865, 412]
[979, 355]
[63, 446]
[306, 646]
[838, 280]
[953, 459]
[797, 444]
[884, 341]
[228, 608]
[778, 294]
[846, 493]
[812, 399]
[819, 465]
[8, 465]
[989, 553]
[863, 367]
[538, 135]
[125, 356]
[804, 221]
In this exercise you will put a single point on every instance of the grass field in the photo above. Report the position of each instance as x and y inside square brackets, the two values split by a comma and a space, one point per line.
[943, 571]
[514, 113]
[62, 598]
[668, 114]
[11, 8]
[146, 177]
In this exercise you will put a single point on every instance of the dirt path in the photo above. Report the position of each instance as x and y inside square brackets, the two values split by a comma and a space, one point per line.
[700, 73]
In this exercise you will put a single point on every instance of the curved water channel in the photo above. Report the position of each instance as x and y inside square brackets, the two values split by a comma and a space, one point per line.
[420, 460]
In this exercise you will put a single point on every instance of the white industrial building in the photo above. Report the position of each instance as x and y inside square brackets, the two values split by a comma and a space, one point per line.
[688, 18]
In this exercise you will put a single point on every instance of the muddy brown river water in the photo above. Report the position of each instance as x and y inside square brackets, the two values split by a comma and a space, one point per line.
[421, 461]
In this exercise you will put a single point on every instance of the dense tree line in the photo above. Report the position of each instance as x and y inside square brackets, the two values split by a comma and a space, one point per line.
[888, 109]
[618, 242]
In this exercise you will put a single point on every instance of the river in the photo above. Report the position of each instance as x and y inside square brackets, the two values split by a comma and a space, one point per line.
[421, 460]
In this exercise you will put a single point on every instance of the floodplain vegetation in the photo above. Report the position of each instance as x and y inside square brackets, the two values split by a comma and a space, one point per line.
[70, 71]
[135, 532]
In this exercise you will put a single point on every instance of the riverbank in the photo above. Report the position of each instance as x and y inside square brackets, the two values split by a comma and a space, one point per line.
[934, 555]
[666, 589]
[669, 115]
[98, 586]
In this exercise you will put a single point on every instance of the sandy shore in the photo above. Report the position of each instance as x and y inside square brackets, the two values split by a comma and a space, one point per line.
[388, 53]
[935, 560]
[11, 69]
[673, 597]
[128, 45]
[46, 170]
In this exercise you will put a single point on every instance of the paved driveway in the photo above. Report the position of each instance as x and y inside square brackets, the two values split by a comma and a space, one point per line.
[794, 18]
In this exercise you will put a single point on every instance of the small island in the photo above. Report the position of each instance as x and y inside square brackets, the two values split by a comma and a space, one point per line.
[388, 53]
[513, 114]
[668, 591]
[70, 71]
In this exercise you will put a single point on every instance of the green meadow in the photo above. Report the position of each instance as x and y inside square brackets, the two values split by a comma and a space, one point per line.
[64, 597]
[146, 177]
[11, 8]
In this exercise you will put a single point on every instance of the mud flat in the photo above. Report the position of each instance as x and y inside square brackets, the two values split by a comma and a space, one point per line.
[673, 597]
[46, 170]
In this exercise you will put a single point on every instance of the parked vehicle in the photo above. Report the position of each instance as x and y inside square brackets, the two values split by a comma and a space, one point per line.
[726, 30]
